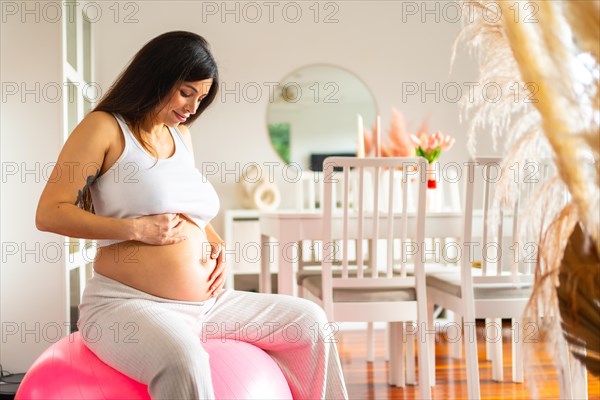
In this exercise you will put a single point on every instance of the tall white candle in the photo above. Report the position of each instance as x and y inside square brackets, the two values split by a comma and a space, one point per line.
[378, 137]
[360, 151]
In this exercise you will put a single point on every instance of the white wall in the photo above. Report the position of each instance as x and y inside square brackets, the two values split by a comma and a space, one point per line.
[32, 280]
[370, 40]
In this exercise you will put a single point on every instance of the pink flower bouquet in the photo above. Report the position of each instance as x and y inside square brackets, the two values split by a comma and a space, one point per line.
[431, 146]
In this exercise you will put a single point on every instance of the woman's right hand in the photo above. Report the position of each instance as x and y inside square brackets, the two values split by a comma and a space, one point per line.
[159, 229]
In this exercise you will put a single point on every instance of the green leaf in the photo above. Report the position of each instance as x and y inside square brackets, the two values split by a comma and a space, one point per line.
[435, 154]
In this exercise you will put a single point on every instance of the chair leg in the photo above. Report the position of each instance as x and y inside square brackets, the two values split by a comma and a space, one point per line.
[489, 355]
[390, 338]
[456, 347]
[470, 338]
[386, 343]
[401, 338]
[370, 343]
[410, 355]
[396, 363]
[423, 355]
[430, 322]
[517, 350]
[495, 336]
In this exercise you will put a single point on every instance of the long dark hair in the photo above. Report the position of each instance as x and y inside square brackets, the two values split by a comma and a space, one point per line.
[164, 62]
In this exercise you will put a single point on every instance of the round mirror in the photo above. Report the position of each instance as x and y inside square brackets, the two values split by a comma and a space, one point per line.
[313, 114]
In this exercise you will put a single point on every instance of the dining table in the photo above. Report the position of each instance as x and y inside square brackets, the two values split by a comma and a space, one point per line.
[282, 230]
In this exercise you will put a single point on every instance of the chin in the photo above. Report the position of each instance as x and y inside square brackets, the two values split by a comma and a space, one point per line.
[172, 123]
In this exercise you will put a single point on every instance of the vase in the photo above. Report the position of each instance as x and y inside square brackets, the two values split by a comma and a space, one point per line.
[432, 174]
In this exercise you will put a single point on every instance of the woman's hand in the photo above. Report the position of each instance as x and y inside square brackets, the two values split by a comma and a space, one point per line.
[159, 229]
[217, 277]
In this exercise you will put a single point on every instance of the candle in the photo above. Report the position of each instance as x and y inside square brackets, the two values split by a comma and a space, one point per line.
[378, 137]
[360, 151]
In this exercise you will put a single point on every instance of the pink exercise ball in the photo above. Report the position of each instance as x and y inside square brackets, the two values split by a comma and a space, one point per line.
[69, 370]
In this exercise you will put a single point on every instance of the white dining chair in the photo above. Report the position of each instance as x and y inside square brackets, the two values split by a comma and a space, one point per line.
[309, 196]
[364, 293]
[500, 288]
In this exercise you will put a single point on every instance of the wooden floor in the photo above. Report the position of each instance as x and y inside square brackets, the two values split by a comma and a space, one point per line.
[369, 380]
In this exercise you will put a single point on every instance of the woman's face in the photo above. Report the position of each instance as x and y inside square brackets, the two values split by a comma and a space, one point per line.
[184, 102]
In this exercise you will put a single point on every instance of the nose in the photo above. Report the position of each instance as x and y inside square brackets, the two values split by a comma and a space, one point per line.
[191, 107]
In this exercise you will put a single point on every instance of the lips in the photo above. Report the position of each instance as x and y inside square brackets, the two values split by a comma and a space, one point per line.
[180, 117]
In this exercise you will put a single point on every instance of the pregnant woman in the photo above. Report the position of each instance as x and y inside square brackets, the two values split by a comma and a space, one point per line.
[126, 177]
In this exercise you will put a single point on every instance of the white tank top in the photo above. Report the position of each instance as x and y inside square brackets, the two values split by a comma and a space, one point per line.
[138, 184]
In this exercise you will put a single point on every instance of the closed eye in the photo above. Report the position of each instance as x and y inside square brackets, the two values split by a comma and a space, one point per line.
[186, 95]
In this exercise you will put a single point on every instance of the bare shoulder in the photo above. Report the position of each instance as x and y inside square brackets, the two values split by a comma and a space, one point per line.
[97, 129]
[83, 156]
[100, 121]
[98, 126]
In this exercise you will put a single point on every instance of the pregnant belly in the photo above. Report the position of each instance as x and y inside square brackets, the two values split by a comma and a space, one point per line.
[176, 271]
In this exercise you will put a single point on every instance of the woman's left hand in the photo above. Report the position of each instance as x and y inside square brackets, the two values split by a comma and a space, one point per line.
[217, 278]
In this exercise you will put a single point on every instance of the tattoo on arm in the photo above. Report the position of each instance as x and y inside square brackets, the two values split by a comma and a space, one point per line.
[80, 195]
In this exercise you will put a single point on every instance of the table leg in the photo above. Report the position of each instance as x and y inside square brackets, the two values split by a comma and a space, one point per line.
[264, 282]
[285, 277]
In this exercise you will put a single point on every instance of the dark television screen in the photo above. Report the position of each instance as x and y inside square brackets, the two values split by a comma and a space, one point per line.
[316, 160]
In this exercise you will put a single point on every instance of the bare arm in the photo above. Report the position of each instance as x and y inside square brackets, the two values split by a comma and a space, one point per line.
[79, 162]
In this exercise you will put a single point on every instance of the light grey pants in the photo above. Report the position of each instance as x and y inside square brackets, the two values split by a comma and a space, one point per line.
[158, 341]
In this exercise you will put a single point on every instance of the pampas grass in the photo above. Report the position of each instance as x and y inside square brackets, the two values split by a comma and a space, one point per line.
[548, 115]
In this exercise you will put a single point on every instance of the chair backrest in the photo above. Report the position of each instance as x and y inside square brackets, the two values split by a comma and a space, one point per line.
[310, 192]
[310, 196]
[490, 238]
[352, 221]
